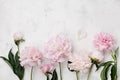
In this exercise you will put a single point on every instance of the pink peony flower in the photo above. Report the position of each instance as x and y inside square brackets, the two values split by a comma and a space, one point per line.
[46, 68]
[31, 57]
[103, 41]
[57, 48]
[96, 56]
[79, 62]
[18, 36]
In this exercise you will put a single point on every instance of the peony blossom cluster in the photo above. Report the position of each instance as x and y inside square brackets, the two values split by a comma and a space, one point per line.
[104, 41]
[79, 62]
[31, 57]
[58, 48]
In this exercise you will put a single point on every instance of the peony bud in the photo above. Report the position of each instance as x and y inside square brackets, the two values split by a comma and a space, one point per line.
[46, 68]
[18, 37]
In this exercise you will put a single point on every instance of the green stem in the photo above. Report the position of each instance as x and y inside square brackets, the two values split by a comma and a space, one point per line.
[47, 75]
[60, 71]
[31, 73]
[115, 62]
[18, 49]
[89, 71]
[116, 77]
[116, 72]
[77, 77]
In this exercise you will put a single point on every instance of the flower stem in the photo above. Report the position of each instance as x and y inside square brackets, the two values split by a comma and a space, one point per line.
[18, 49]
[115, 62]
[77, 77]
[89, 71]
[116, 76]
[31, 73]
[60, 71]
[21, 79]
[47, 75]
[116, 73]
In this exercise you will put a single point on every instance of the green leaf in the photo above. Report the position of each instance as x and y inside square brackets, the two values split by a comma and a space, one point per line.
[7, 61]
[14, 63]
[11, 58]
[104, 64]
[116, 53]
[18, 69]
[104, 72]
[17, 59]
[113, 72]
[113, 55]
[54, 76]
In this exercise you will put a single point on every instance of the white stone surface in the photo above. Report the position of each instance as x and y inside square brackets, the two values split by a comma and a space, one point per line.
[39, 19]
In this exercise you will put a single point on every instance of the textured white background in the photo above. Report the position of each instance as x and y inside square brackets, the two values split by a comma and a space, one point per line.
[39, 19]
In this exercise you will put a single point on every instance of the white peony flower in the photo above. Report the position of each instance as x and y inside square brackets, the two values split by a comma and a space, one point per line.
[96, 56]
[79, 62]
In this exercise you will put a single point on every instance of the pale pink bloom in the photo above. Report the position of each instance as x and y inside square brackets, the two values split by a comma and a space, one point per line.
[96, 56]
[57, 48]
[31, 57]
[47, 68]
[18, 36]
[79, 62]
[104, 41]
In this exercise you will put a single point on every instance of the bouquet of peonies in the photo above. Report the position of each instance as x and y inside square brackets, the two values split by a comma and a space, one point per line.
[58, 50]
